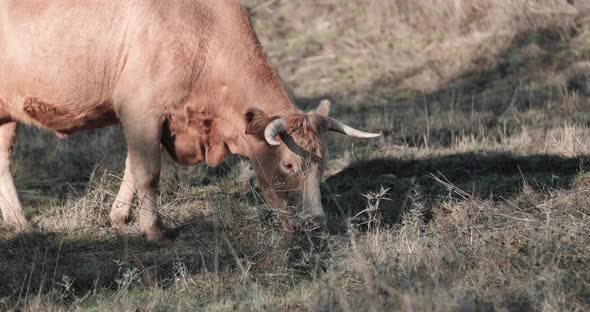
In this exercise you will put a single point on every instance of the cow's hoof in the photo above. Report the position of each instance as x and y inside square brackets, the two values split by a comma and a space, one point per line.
[120, 220]
[120, 226]
[161, 235]
[154, 235]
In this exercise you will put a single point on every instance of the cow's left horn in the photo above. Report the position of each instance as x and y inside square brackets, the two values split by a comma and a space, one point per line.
[272, 129]
[338, 126]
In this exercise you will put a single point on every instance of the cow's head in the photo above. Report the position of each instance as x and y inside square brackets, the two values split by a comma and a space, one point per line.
[290, 167]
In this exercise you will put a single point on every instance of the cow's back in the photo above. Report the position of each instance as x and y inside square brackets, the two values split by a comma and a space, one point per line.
[59, 60]
[68, 65]
[63, 61]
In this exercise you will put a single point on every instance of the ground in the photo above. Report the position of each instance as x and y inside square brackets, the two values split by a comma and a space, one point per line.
[477, 197]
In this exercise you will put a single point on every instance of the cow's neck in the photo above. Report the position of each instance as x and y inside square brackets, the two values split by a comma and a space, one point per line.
[237, 60]
[239, 82]
[238, 76]
[271, 98]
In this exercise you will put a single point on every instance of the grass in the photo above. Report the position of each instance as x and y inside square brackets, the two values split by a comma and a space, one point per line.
[476, 198]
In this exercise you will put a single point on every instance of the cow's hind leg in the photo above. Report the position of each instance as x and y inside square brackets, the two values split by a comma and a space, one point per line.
[121, 210]
[12, 211]
[143, 143]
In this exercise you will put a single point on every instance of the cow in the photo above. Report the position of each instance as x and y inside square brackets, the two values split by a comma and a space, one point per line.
[187, 76]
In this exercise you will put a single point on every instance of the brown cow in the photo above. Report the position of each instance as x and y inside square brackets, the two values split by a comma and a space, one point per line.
[188, 74]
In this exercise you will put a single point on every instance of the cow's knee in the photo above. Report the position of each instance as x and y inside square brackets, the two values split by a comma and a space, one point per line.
[120, 214]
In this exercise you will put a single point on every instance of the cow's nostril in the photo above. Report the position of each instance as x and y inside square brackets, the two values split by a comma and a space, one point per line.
[289, 167]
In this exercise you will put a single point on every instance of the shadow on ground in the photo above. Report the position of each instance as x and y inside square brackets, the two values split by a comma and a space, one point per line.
[37, 262]
[71, 266]
[492, 176]
[75, 265]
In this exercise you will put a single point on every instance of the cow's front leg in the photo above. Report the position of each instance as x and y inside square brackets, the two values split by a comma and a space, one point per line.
[121, 209]
[12, 211]
[143, 143]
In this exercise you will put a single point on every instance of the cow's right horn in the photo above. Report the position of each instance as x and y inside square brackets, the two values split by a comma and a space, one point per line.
[339, 126]
[272, 129]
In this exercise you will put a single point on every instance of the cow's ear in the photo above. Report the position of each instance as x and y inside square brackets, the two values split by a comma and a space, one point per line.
[324, 108]
[256, 121]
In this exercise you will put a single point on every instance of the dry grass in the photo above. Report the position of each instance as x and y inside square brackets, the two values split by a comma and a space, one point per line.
[477, 197]
[413, 45]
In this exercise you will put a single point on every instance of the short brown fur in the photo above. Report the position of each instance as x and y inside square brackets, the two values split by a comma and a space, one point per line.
[307, 130]
[63, 121]
[182, 73]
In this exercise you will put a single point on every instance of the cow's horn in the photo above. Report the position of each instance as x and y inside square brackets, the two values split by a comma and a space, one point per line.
[338, 126]
[272, 129]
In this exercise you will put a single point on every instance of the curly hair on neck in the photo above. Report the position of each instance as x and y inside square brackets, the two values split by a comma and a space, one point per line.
[306, 130]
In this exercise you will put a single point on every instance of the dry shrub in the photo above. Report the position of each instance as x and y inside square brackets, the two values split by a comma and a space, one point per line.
[526, 253]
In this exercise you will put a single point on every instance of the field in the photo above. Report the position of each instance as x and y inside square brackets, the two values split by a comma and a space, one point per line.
[477, 197]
